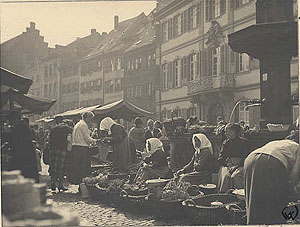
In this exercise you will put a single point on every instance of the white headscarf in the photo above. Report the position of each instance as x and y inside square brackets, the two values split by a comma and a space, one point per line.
[155, 144]
[205, 143]
[106, 124]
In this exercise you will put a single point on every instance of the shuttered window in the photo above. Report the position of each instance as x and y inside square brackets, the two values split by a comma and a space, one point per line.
[170, 75]
[198, 66]
[165, 76]
[203, 63]
[170, 27]
[176, 25]
[184, 21]
[214, 9]
[208, 10]
[165, 32]
[193, 66]
[198, 18]
[176, 73]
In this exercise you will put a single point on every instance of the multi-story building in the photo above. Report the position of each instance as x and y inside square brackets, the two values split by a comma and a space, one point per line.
[50, 69]
[69, 69]
[21, 52]
[104, 67]
[200, 74]
[141, 71]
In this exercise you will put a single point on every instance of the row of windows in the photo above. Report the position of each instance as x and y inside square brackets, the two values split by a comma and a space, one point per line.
[70, 71]
[92, 102]
[184, 113]
[211, 62]
[88, 69]
[112, 86]
[50, 90]
[90, 86]
[70, 88]
[139, 63]
[181, 23]
[51, 70]
[139, 90]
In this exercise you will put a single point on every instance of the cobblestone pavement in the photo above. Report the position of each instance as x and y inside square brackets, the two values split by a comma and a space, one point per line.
[94, 213]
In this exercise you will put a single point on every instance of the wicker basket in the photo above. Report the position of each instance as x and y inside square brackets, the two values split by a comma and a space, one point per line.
[133, 203]
[237, 213]
[203, 213]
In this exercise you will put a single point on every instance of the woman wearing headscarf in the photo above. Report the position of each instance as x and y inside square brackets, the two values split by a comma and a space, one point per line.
[156, 165]
[199, 169]
[232, 155]
[271, 174]
[124, 152]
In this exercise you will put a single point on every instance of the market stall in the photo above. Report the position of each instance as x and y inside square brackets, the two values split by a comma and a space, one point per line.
[121, 109]
[14, 90]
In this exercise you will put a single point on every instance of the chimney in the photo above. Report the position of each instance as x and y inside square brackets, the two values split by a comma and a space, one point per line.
[116, 22]
[93, 31]
[32, 25]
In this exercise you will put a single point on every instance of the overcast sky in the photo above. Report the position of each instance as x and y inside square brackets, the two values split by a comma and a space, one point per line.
[61, 23]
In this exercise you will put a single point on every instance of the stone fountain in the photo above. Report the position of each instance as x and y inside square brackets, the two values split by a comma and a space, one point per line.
[272, 40]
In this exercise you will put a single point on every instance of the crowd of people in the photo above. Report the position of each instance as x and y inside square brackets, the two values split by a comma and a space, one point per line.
[267, 174]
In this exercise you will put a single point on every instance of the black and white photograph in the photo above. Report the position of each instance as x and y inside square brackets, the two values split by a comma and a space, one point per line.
[149, 113]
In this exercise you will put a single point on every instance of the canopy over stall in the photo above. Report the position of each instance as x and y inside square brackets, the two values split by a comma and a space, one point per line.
[121, 109]
[15, 81]
[14, 90]
[29, 103]
[77, 112]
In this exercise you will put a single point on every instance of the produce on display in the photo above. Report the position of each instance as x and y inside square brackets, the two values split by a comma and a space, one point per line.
[176, 190]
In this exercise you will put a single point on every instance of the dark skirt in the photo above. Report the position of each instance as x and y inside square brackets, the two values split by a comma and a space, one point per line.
[266, 189]
[149, 173]
[58, 162]
[80, 164]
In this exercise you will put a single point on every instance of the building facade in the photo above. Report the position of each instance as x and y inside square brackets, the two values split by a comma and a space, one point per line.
[21, 53]
[50, 71]
[70, 69]
[141, 71]
[200, 74]
[103, 68]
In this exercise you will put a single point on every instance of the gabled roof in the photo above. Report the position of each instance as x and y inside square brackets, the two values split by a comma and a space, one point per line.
[145, 37]
[120, 38]
[88, 41]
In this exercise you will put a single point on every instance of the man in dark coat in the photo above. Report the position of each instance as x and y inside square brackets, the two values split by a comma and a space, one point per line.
[23, 153]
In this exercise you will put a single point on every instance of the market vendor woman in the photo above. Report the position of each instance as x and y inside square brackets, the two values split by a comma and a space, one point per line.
[124, 152]
[232, 155]
[271, 174]
[200, 168]
[156, 165]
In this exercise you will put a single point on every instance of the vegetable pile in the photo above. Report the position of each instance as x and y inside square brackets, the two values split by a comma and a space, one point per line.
[176, 191]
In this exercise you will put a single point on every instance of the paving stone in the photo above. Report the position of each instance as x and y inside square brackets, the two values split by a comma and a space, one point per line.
[93, 213]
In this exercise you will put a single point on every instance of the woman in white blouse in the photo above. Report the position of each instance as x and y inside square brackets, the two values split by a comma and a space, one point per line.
[80, 161]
